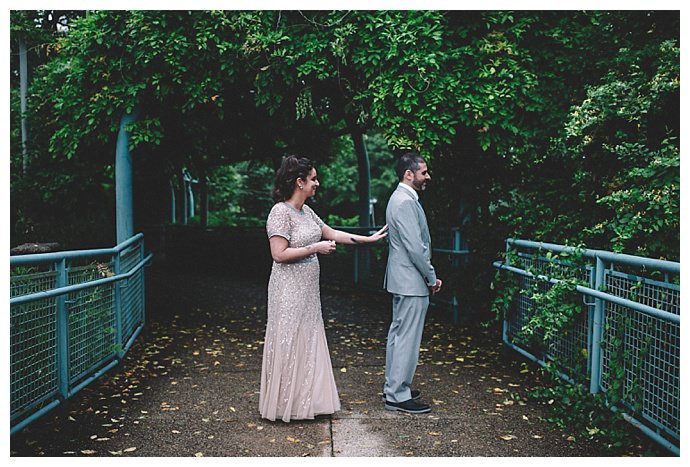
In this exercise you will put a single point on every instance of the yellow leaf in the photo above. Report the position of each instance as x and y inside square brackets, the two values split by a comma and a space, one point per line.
[88, 451]
[508, 437]
[199, 454]
[293, 440]
[132, 449]
[343, 370]
[434, 433]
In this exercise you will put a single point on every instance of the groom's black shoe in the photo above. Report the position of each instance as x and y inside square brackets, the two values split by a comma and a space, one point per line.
[409, 406]
[415, 395]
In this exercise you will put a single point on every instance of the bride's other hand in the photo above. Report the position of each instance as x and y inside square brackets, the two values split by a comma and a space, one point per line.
[325, 247]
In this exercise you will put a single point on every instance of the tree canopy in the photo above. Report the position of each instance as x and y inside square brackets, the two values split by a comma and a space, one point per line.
[557, 125]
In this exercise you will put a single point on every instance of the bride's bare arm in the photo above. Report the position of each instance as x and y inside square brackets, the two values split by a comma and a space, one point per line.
[283, 253]
[339, 236]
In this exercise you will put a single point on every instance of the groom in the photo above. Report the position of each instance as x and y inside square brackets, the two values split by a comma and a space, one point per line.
[410, 277]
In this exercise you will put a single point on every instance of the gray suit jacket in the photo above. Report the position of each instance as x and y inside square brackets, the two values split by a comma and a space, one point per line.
[409, 270]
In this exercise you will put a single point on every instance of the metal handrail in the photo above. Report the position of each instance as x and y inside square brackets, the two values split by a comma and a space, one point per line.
[641, 307]
[76, 287]
[21, 260]
[618, 258]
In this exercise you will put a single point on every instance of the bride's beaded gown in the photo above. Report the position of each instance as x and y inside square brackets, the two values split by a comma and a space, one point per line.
[296, 375]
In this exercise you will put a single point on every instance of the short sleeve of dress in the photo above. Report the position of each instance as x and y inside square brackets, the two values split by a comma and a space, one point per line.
[314, 216]
[278, 222]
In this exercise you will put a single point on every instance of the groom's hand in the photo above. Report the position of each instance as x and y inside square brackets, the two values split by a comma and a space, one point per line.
[436, 288]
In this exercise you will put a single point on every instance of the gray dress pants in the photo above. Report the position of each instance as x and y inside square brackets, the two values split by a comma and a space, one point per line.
[402, 349]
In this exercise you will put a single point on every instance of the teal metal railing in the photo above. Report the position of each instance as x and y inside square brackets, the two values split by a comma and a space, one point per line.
[630, 322]
[73, 315]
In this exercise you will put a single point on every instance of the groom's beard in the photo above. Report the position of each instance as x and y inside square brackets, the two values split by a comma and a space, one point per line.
[419, 185]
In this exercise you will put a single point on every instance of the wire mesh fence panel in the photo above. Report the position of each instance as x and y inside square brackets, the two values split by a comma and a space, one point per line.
[33, 354]
[65, 309]
[638, 366]
[25, 281]
[92, 331]
[571, 347]
[132, 293]
[646, 348]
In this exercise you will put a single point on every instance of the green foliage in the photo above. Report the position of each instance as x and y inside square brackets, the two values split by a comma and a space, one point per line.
[338, 196]
[612, 178]
[240, 194]
[554, 308]
[573, 408]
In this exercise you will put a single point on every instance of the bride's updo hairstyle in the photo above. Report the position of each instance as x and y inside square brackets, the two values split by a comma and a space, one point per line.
[290, 170]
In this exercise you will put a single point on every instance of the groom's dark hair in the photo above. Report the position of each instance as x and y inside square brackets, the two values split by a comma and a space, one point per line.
[408, 161]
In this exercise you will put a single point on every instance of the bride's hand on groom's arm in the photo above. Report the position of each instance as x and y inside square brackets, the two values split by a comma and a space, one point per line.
[379, 235]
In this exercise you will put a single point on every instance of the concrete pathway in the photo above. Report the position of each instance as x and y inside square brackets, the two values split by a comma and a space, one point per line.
[189, 387]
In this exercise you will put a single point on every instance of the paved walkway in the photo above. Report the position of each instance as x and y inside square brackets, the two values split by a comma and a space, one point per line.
[189, 387]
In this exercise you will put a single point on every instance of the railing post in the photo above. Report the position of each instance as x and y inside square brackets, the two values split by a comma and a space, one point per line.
[454, 304]
[142, 255]
[62, 331]
[356, 266]
[505, 317]
[118, 306]
[597, 329]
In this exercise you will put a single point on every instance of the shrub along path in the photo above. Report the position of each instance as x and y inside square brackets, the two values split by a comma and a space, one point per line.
[189, 387]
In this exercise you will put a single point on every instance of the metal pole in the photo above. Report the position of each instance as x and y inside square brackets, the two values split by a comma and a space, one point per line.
[142, 254]
[185, 201]
[506, 325]
[597, 330]
[23, 88]
[172, 202]
[118, 304]
[363, 252]
[62, 330]
[123, 182]
[454, 305]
